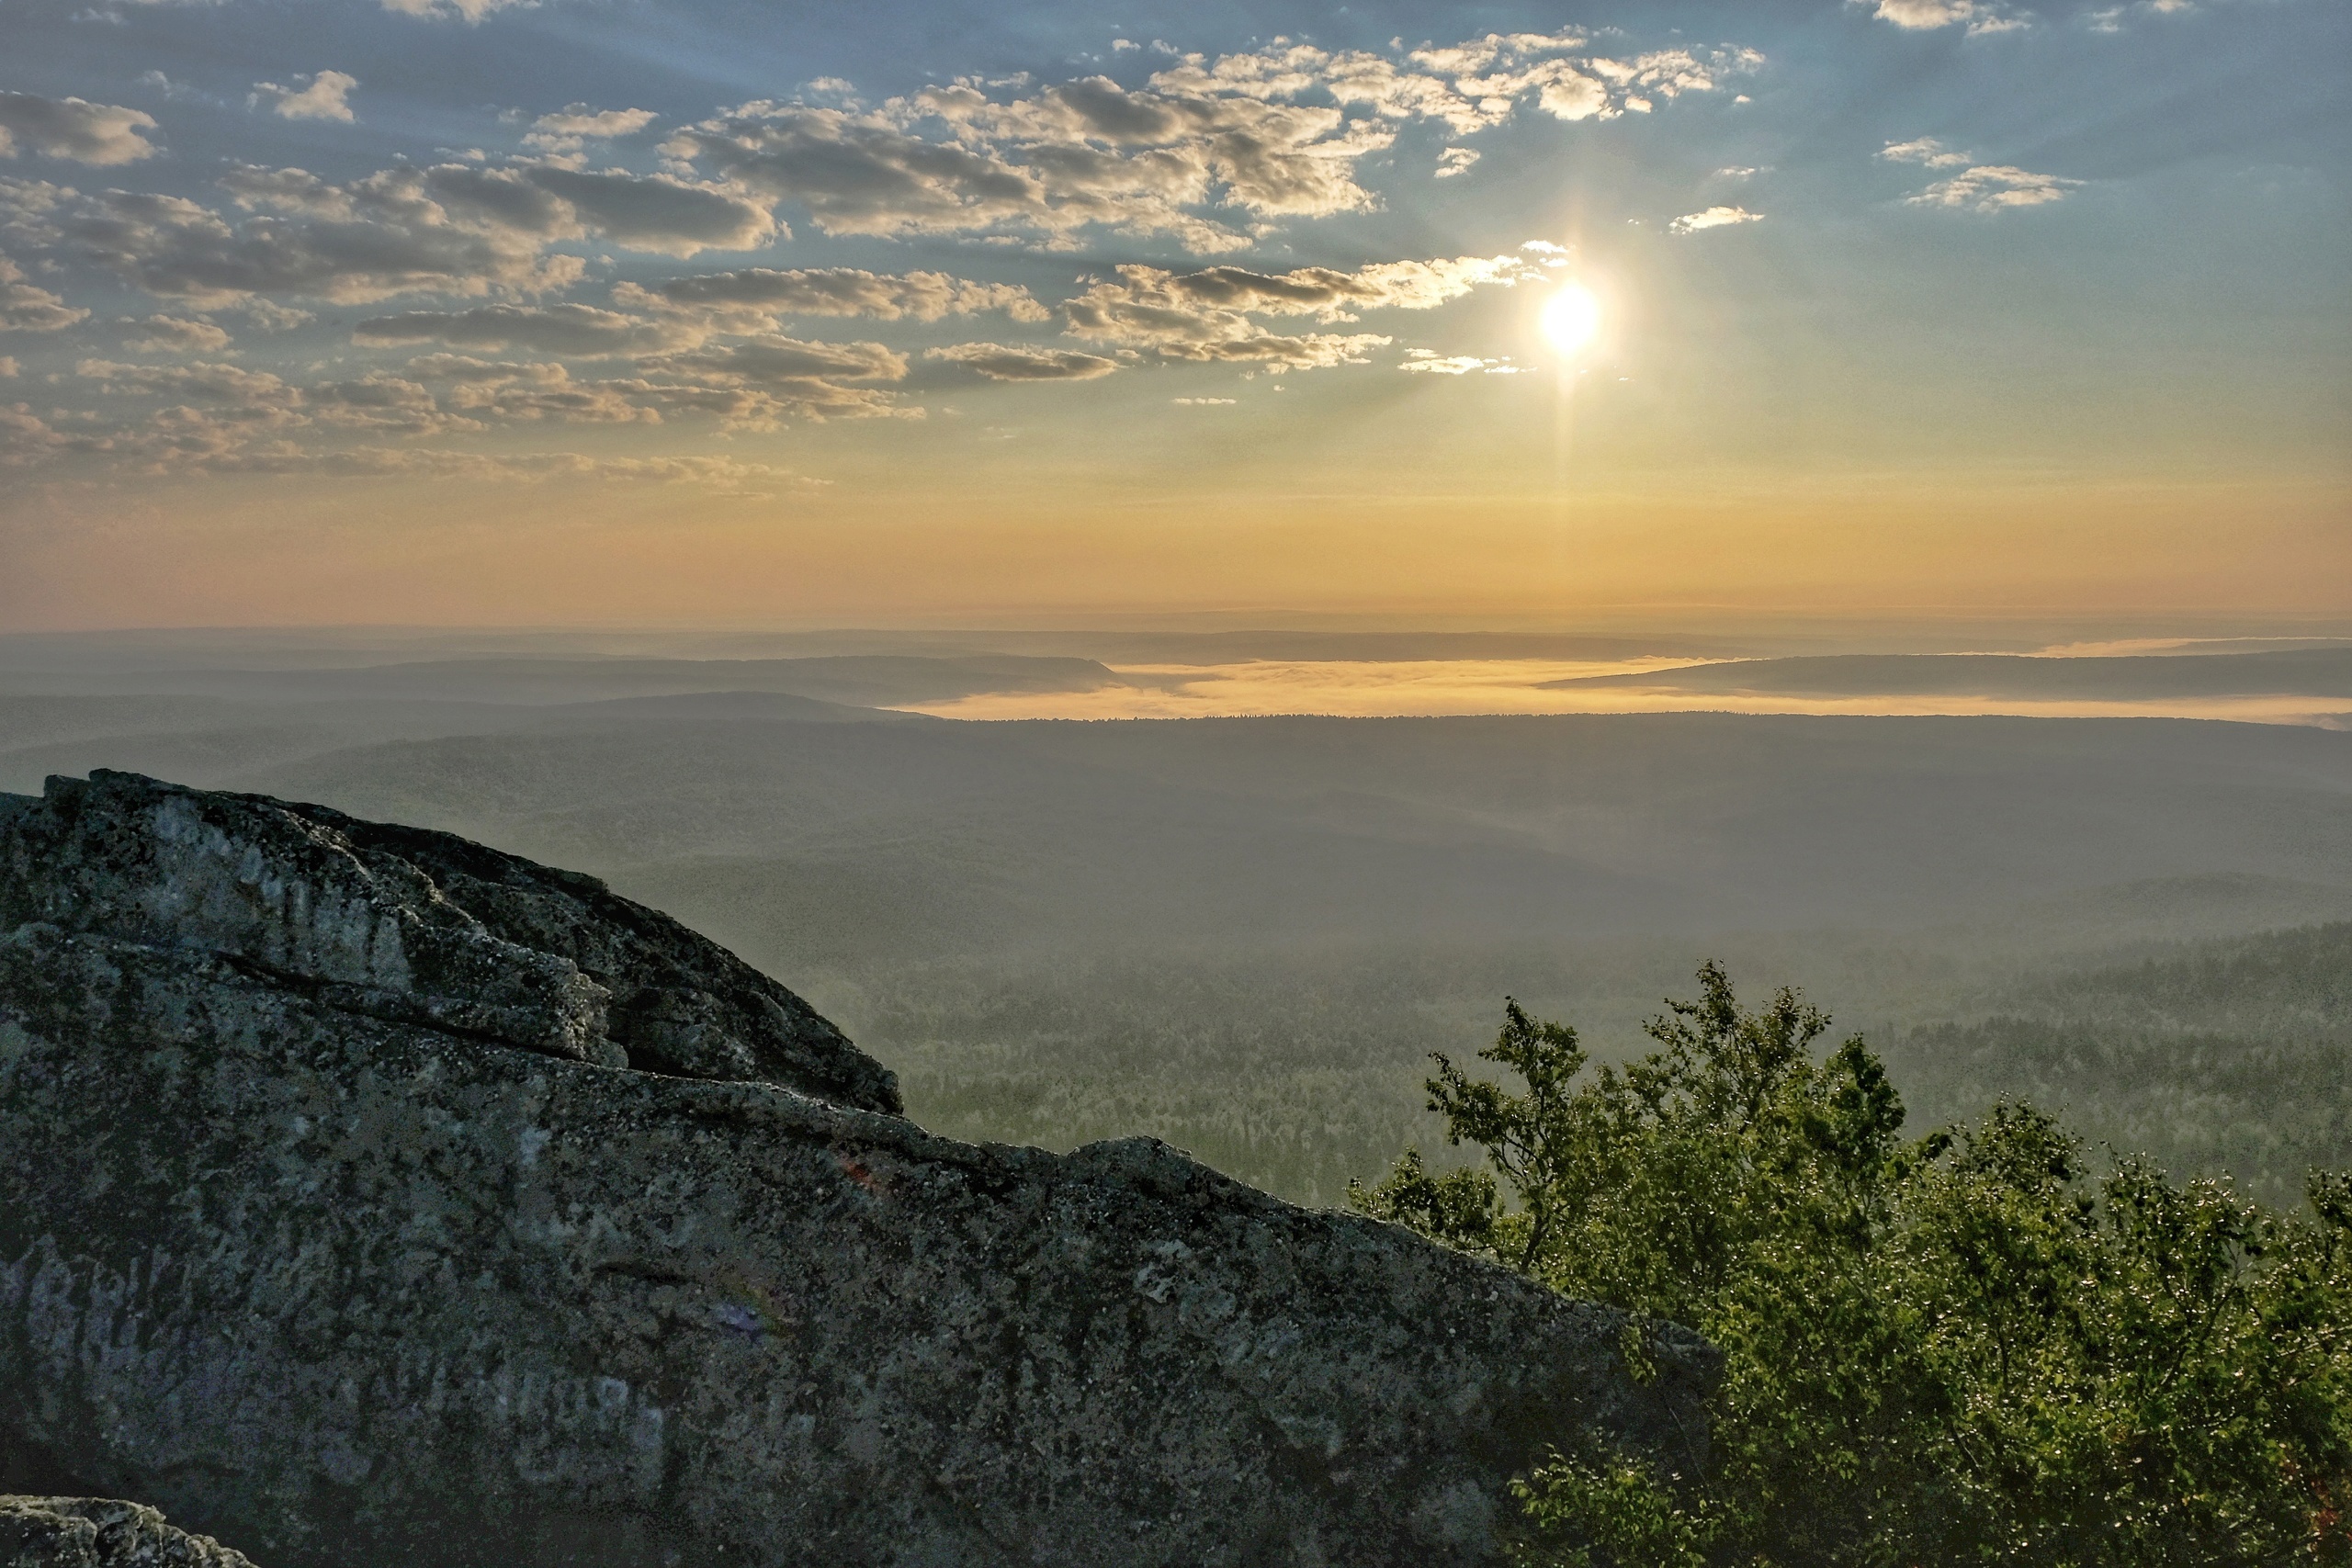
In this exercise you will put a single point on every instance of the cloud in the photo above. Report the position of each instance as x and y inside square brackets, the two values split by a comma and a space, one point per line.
[1308, 351]
[1205, 315]
[349, 245]
[1145, 297]
[25, 309]
[165, 85]
[1993, 186]
[771, 360]
[1265, 135]
[1092, 142]
[223, 417]
[1451, 161]
[651, 212]
[328, 96]
[509, 392]
[1979, 188]
[758, 382]
[581, 330]
[753, 298]
[2110, 19]
[1926, 16]
[469, 11]
[1205, 402]
[449, 228]
[753, 481]
[383, 403]
[1428, 361]
[272, 318]
[1926, 150]
[25, 438]
[1712, 217]
[86, 132]
[1000, 362]
[740, 406]
[203, 382]
[724, 476]
[466, 370]
[175, 334]
[1921, 14]
[564, 130]
[860, 175]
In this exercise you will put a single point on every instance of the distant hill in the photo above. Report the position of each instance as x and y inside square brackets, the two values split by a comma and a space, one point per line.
[2324, 672]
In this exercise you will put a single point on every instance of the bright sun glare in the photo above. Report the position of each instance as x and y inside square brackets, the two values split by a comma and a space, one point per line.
[1570, 318]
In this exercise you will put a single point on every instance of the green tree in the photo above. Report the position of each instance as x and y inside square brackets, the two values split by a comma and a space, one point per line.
[1955, 1348]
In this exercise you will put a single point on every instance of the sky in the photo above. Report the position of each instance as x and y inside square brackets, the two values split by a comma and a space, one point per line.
[687, 311]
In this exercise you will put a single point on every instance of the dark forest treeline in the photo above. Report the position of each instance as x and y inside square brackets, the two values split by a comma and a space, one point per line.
[2232, 1056]
[1301, 1070]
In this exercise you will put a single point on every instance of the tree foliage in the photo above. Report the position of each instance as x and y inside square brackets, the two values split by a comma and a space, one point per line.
[1964, 1347]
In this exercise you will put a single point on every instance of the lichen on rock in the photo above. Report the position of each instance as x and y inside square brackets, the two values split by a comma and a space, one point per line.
[371, 1193]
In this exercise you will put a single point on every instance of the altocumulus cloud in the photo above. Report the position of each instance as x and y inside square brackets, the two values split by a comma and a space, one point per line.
[579, 330]
[1991, 187]
[1000, 361]
[468, 11]
[1926, 16]
[449, 228]
[1206, 316]
[326, 95]
[104, 134]
[25, 309]
[750, 298]
[1712, 217]
[1927, 151]
[772, 359]
[1265, 135]
[1428, 361]
[1978, 187]
[569, 128]
[177, 335]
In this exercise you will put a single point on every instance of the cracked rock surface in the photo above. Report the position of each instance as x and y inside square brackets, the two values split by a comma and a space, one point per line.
[367, 1194]
[98, 1533]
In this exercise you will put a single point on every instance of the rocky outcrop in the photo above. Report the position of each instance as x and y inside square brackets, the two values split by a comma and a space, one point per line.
[98, 1533]
[367, 1194]
[407, 926]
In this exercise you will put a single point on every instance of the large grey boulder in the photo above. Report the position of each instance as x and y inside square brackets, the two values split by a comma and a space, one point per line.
[367, 1194]
[99, 1532]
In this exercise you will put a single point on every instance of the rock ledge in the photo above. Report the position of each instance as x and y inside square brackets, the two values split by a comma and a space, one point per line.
[373, 1195]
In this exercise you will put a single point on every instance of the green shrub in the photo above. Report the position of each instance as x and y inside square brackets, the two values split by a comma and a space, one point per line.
[1956, 1349]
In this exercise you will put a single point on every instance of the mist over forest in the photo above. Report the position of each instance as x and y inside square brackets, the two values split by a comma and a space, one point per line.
[1245, 936]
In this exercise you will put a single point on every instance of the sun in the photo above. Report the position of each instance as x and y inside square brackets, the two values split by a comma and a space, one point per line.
[1570, 318]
